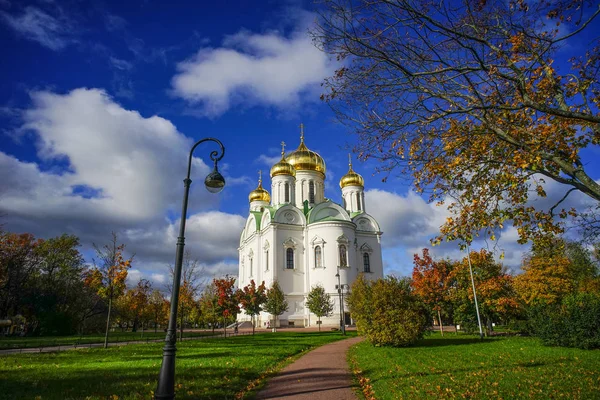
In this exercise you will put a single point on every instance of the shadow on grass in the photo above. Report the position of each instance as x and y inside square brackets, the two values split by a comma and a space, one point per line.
[128, 383]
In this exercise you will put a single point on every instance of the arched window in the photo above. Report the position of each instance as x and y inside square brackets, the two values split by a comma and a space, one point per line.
[358, 201]
[343, 256]
[318, 257]
[289, 258]
[251, 264]
[287, 192]
[267, 260]
[366, 262]
[311, 192]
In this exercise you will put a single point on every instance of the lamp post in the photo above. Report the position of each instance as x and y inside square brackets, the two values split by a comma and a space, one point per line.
[214, 183]
[341, 298]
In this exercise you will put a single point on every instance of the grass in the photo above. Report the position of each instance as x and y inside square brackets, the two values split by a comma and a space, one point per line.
[208, 369]
[43, 341]
[464, 367]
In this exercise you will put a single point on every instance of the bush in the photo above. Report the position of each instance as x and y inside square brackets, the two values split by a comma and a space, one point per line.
[387, 312]
[575, 322]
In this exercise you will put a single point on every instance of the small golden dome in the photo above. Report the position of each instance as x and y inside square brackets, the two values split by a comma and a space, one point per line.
[351, 178]
[304, 159]
[259, 194]
[283, 167]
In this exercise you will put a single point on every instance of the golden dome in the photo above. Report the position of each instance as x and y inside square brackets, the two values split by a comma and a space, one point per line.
[282, 167]
[259, 194]
[304, 159]
[351, 178]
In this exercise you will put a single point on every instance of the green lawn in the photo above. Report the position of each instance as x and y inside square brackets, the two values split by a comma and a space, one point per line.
[39, 341]
[464, 367]
[208, 369]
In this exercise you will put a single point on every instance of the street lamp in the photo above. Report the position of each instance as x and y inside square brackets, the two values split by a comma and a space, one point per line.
[214, 183]
[340, 288]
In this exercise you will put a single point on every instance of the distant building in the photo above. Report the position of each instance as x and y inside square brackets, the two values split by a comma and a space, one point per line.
[298, 237]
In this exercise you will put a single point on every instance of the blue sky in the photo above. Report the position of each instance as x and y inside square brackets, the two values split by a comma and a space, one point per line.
[101, 101]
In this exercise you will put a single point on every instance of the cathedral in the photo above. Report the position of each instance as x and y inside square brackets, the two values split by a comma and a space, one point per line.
[296, 236]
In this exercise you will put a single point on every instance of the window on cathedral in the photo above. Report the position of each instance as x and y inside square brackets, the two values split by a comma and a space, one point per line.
[289, 258]
[287, 192]
[358, 201]
[267, 260]
[366, 263]
[343, 256]
[318, 257]
[311, 192]
[251, 266]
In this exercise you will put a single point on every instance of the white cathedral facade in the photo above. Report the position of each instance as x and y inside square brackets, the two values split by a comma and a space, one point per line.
[296, 236]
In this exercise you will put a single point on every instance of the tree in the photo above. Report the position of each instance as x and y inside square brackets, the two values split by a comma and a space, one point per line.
[387, 311]
[252, 298]
[472, 101]
[108, 277]
[18, 261]
[431, 280]
[495, 294]
[191, 284]
[553, 271]
[160, 312]
[55, 287]
[319, 302]
[227, 301]
[276, 303]
[209, 304]
[140, 303]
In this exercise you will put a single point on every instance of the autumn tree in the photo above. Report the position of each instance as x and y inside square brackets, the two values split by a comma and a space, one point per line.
[160, 311]
[276, 303]
[252, 298]
[319, 302]
[471, 100]
[140, 303]
[431, 280]
[227, 300]
[108, 274]
[191, 284]
[495, 294]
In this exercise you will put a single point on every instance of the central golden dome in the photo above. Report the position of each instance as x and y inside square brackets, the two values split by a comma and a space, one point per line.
[351, 178]
[259, 194]
[304, 159]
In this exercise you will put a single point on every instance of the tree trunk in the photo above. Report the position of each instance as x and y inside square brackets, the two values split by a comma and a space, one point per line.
[181, 326]
[224, 328]
[319, 323]
[107, 322]
[440, 319]
[253, 325]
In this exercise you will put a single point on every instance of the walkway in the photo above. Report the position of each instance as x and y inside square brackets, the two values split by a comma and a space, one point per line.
[321, 374]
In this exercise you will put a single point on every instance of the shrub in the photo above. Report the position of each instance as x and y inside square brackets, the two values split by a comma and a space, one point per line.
[575, 322]
[387, 312]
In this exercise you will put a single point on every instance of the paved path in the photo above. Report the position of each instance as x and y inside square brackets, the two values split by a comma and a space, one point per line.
[321, 374]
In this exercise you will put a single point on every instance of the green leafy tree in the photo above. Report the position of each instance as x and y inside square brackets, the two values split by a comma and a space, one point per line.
[276, 303]
[387, 311]
[209, 305]
[319, 302]
[252, 298]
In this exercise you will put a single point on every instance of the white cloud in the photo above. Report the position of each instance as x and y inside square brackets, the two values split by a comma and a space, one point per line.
[269, 69]
[52, 32]
[122, 174]
[405, 220]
